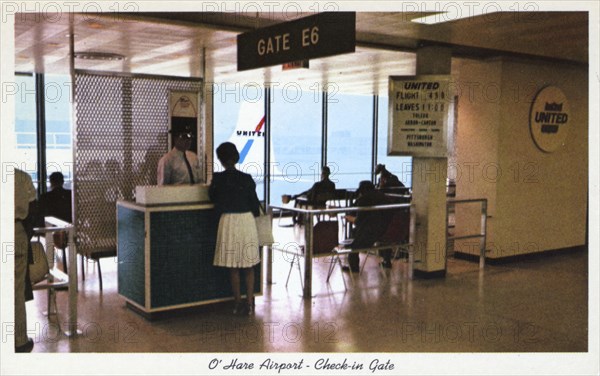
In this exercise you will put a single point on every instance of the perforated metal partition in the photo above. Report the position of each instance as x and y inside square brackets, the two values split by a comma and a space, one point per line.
[120, 134]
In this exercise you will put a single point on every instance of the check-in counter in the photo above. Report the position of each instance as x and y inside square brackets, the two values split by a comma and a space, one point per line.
[166, 250]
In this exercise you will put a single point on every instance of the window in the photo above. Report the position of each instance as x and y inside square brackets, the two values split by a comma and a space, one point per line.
[295, 140]
[59, 151]
[239, 117]
[397, 165]
[349, 139]
[25, 156]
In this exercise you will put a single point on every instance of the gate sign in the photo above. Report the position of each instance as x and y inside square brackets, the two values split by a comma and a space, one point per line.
[320, 35]
[549, 118]
[418, 115]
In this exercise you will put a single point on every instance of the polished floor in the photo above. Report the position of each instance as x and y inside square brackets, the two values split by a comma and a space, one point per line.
[530, 306]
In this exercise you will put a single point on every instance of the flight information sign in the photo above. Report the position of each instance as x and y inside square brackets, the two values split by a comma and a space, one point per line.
[418, 115]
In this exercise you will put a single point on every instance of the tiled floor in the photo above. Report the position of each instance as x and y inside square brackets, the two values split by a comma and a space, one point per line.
[533, 306]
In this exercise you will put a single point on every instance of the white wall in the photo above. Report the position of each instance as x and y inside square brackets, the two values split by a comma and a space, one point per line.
[537, 200]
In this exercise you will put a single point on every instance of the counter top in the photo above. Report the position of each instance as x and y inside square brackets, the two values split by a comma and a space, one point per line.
[168, 206]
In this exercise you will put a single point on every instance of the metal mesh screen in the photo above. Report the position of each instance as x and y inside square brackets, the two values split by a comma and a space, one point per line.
[120, 134]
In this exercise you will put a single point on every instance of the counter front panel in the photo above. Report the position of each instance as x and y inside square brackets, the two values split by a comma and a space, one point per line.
[130, 255]
[182, 253]
[166, 257]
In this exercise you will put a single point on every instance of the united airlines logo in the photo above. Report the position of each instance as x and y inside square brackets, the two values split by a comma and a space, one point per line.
[549, 119]
[257, 132]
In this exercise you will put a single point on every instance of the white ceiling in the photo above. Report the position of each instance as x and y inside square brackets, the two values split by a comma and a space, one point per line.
[193, 44]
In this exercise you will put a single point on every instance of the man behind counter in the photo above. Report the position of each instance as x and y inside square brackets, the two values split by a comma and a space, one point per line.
[180, 165]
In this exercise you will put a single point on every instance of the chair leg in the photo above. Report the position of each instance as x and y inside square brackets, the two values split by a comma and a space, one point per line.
[99, 273]
[342, 270]
[331, 266]
[49, 302]
[82, 268]
[300, 274]
[343, 279]
[290, 271]
[364, 263]
[335, 259]
[64, 261]
[381, 269]
[295, 260]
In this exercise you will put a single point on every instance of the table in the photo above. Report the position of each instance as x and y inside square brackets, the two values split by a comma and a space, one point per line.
[53, 225]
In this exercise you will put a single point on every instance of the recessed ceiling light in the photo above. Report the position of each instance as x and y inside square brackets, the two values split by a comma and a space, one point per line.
[106, 56]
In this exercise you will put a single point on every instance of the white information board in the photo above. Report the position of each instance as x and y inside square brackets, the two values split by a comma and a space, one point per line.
[418, 115]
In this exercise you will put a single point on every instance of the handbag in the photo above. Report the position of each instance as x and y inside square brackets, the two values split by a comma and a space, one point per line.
[264, 228]
[38, 266]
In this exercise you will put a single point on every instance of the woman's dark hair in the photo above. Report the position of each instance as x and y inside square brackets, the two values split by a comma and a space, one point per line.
[228, 153]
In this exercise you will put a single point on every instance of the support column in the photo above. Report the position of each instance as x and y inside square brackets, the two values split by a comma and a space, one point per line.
[429, 185]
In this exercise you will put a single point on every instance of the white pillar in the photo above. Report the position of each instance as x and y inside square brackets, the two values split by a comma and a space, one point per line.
[429, 185]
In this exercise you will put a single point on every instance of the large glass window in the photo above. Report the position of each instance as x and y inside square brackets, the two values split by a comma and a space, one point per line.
[239, 117]
[349, 139]
[59, 151]
[397, 165]
[25, 156]
[295, 141]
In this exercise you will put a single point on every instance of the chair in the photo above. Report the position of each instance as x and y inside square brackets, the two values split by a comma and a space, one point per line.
[398, 230]
[52, 281]
[342, 198]
[61, 239]
[395, 238]
[96, 240]
[325, 238]
[97, 254]
[319, 201]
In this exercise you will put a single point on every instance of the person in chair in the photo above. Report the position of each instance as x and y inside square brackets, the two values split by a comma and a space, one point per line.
[57, 201]
[369, 226]
[318, 194]
[386, 178]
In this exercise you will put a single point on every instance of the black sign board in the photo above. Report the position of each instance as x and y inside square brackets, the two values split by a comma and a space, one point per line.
[320, 35]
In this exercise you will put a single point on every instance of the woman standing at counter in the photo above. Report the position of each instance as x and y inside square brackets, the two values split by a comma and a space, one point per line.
[234, 196]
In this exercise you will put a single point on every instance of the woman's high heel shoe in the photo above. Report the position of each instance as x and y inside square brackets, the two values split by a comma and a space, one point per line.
[250, 309]
[239, 308]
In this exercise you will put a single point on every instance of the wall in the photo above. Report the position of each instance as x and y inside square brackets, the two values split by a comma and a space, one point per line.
[537, 200]
[477, 125]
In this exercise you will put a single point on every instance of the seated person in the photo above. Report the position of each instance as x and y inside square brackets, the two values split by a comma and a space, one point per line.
[316, 196]
[57, 203]
[369, 226]
[386, 179]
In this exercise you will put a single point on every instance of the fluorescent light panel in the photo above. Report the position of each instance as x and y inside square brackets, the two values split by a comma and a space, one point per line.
[453, 13]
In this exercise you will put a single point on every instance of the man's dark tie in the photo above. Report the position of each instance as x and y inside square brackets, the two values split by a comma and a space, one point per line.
[189, 168]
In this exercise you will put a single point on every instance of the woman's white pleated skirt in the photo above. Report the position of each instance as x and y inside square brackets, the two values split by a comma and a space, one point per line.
[237, 241]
